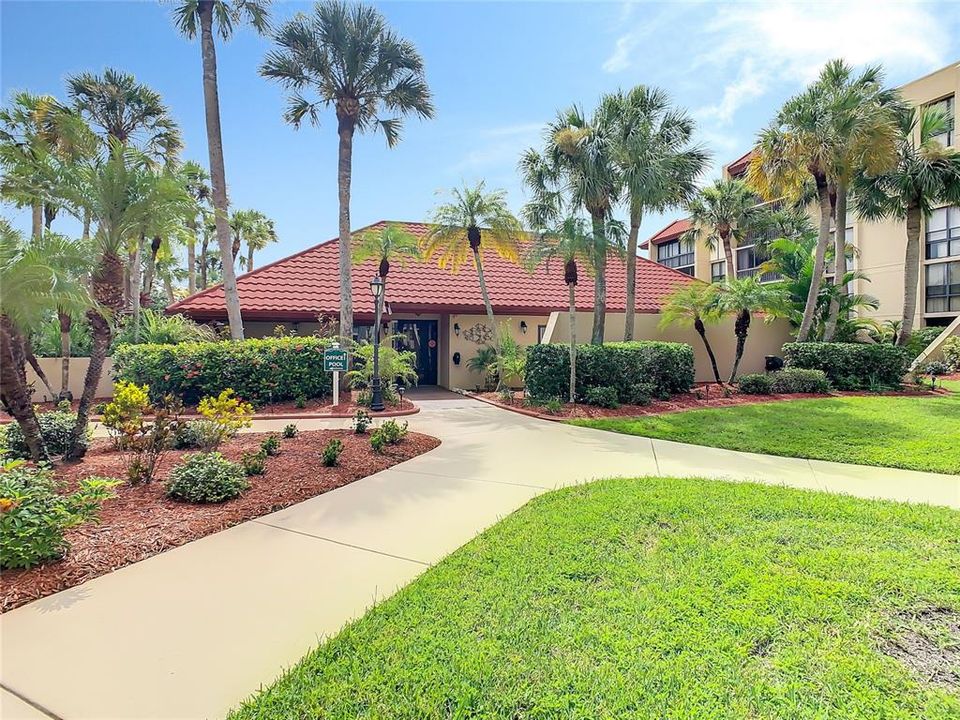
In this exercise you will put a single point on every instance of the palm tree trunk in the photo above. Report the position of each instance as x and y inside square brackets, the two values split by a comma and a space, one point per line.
[66, 324]
[249, 258]
[36, 220]
[218, 181]
[599, 277]
[741, 326]
[192, 260]
[345, 130]
[731, 268]
[203, 262]
[572, 290]
[86, 225]
[702, 331]
[823, 240]
[168, 291]
[839, 262]
[151, 271]
[911, 274]
[488, 306]
[14, 389]
[135, 280]
[636, 216]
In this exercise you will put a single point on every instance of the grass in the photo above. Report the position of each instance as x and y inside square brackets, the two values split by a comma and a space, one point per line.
[654, 598]
[916, 433]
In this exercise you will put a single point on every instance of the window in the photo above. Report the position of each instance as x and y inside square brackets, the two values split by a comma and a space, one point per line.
[946, 106]
[676, 254]
[749, 260]
[718, 271]
[943, 287]
[363, 333]
[541, 331]
[943, 233]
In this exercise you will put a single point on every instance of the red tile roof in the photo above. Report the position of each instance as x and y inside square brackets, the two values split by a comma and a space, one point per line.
[739, 166]
[306, 284]
[670, 232]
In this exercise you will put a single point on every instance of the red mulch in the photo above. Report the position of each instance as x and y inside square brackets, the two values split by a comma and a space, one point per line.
[707, 395]
[142, 521]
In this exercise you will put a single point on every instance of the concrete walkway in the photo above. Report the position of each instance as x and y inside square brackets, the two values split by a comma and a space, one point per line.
[191, 632]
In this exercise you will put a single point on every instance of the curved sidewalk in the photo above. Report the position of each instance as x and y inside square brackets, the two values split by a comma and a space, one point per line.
[191, 632]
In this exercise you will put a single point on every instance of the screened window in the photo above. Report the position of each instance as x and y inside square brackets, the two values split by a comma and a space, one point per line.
[943, 233]
[677, 254]
[718, 271]
[948, 107]
[943, 288]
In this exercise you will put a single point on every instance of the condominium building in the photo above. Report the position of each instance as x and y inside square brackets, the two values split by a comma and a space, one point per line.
[880, 246]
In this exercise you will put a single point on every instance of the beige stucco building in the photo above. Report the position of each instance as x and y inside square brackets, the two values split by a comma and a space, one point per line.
[880, 246]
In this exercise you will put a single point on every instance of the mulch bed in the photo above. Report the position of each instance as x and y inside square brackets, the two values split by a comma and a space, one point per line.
[141, 521]
[706, 395]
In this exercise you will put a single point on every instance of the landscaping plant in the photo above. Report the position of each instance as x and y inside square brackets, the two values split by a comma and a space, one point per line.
[55, 429]
[254, 463]
[755, 384]
[271, 445]
[331, 453]
[361, 421]
[289, 431]
[951, 353]
[223, 417]
[799, 380]
[206, 478]
[396, 366]
[935, 369]
[34, 513]
[851, 366]
[141, 442]
[390, 433]
[603, 396]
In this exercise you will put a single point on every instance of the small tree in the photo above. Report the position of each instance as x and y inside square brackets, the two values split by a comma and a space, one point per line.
[695, 304]
[746, 296]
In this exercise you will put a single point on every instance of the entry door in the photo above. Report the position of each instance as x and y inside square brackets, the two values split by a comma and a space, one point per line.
[421, 338]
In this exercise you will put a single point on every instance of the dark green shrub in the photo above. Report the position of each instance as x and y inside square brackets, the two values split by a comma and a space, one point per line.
[55, 428]
[331, 453]
[851, 366]
[920, 339]
[271, 445]
[361, 421]
[206, 478]
[640, 393]
[667, 367]
[755, 384]
[188, 435]
[393, 431]
[34, 513]
[259, 370]
[290, 431]
[553, 406]
[254, 463]
[799, 380]
[378, 441]
[605, 397]
[301, 402]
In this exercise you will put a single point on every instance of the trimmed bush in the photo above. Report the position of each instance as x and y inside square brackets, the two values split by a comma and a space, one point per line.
[605, 397]
[55, 428]
[206, 478]
[755, 384]
[331, 453]
[260, 370]
[799, 380]
[666, 367]
[951, 353]
[290, 431]
[254, 463]
[851, 366]
[640, 393]
[271, 445]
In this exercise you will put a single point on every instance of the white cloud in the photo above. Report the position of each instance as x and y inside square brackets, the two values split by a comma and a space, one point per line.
[749, 84]
[501, 145]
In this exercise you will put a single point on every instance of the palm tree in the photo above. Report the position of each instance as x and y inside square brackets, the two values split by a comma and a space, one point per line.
[351, 59]
[926, 175]
[261, 233]
[570, 241]
[695, 304]
[37, 277]
[460, 227]
[743, 297]
[189, 17]
[195, 179]
[577, 170]
[386, 244]
[658, 164]
[724, 213]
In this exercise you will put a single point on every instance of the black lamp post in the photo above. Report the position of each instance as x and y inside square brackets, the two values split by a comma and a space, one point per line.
[376, 399]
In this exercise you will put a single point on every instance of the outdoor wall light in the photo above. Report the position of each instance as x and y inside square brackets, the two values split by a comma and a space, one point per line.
[456, 329]
[456, 358]
[523, 326]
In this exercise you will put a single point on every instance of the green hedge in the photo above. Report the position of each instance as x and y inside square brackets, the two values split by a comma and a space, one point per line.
[851, 366]
[666, 367]
[260, 371]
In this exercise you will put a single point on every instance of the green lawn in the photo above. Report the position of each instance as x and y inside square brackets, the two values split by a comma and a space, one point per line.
[917, 433]
[658, 598]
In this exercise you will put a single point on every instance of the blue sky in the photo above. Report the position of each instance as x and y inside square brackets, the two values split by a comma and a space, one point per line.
[498, 72]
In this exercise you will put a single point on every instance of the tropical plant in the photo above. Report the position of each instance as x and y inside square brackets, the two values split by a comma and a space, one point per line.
[743, 297]
[724, 214]
[658, 163]
[395, 366]
[253, 228]
[330, 457]
[207, 17]
[485, 362]
[576, 170]
[461, 226]
[206, 478]
[142, 443]
[926, 175]
[695, 304]
[838, 127]
[387, 243]
[348, 56]
[570, 242]
[195, 179]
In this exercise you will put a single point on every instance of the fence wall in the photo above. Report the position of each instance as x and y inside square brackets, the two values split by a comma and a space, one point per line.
[78, 370]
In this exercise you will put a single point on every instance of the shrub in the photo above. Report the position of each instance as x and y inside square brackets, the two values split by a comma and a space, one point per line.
[223, 417]
[667, 367]
[271, 445]
[935, 369]
[396, 366]
[254, 463]
[755, 384]
[331, 453]
[390, 433]
[189, 435]
[300, 403]
[851, 366]
[206, 478]
[604, 396]
[159, 328]
[34, 514]
[485, 362]
[951, 353]
[640, 393]
[290, 431]
[378, 441]
[361, 421]
[55, 428]
[920, 339]
[799, 380]
[141, 443]
[260, 370]
[553, 406]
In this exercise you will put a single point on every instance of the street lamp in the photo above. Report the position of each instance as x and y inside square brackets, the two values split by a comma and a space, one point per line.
[376, 396]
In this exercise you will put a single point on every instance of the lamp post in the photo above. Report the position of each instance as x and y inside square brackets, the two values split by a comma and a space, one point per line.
[376, 398]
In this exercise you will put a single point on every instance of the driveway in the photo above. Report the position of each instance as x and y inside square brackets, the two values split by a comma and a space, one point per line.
[191, 632]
